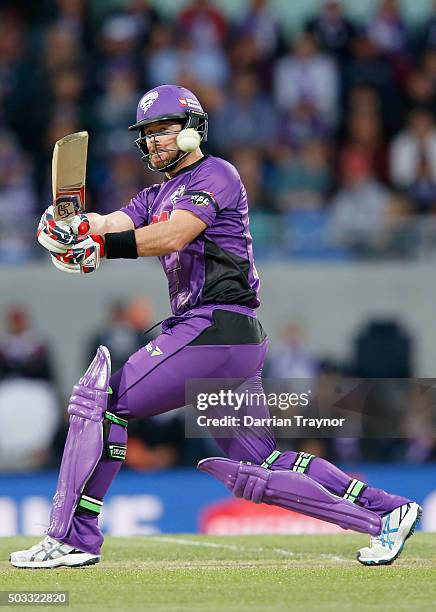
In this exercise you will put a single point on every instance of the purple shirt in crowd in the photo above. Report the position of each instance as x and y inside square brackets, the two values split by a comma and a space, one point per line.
[216, 267]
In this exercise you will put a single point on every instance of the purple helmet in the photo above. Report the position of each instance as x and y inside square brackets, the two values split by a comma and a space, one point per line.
[169, 102]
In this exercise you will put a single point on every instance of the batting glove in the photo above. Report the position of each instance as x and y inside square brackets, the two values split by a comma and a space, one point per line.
[83, 257]
[59, 236]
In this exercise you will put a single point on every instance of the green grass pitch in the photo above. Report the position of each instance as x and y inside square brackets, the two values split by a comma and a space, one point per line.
[250, 573]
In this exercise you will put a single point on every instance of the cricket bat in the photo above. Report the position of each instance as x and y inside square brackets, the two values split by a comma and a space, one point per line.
[69, 176]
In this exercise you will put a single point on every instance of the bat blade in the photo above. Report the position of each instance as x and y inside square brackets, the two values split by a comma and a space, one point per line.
[69, 175]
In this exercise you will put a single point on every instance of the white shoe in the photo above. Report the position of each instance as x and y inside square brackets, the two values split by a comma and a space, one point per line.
[50, 553]
[397, 526]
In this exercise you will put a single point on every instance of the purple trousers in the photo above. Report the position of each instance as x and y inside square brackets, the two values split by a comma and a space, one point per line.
[153, 380]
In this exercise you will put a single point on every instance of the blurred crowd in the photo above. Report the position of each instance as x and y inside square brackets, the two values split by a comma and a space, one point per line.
[332, 129]
[396, 423]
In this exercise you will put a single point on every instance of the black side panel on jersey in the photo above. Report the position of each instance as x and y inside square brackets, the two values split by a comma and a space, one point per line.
[226, 279]
[231, 328]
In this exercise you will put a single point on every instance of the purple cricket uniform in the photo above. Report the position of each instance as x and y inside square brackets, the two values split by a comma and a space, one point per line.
[217, 267]
[214, 333]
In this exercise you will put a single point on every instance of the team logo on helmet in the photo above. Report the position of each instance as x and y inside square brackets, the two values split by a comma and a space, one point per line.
[148, 100]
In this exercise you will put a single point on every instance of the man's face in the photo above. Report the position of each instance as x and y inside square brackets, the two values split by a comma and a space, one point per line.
[161, 145]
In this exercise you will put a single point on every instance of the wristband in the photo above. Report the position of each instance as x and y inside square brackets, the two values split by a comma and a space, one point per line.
[121, 245]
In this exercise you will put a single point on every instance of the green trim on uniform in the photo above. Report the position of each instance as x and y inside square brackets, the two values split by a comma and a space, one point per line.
[354, 490]
[115, 419]
[302, 462]
[271, 459]
[90, 503]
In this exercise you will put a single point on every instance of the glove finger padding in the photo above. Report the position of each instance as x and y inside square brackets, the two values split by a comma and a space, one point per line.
[84, 256]
[65, 267]
[59, 236]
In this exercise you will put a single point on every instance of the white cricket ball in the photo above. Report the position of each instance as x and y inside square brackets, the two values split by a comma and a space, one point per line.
[188, 140]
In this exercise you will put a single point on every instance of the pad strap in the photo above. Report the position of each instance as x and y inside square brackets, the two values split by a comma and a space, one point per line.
[115, 419]
[302, 462]
[90, 504]
[354, 490]
[271, 459]
[113, 450]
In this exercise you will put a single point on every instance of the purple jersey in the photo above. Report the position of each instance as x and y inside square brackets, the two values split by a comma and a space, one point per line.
[216, 267]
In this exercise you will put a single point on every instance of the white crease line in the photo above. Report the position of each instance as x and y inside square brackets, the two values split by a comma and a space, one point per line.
[195, 543]
[332, 557]
[170, 540]
[281, 551]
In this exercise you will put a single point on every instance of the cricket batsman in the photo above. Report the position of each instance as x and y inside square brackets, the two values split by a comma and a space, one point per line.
[196, 222]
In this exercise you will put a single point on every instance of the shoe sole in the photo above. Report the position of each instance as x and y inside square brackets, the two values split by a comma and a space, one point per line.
[55, 563]
[400, 550]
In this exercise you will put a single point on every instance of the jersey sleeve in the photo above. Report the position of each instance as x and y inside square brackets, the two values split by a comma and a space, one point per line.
[211, 191]
[137, 208]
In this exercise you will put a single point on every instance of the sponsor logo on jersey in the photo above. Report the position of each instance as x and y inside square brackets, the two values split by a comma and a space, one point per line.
[162, 216]
[148, 100]
[177, 194]
[201, 199]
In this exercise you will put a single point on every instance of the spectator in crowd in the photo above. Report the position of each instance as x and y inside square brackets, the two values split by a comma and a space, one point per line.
[244, 55]
[363, 98]
[249, 162]
[387, 29]
[71, 14]
[172, 63]
[364, 134]
[26, 391]
[359, 210]
[332, 30]
[368, 66]
[145, 16]
[22, 353]
[299, 181]
[428, 38]
[413, 159]
[291, 358]
[124, 177]
[383, 353]
[301, 124]
[417, 426]
[114, 108]
[420, 89]
[63, 49]
[161, 56]
[306, 75]
[17, 200]
[246, 115]
[204, 24]
[124, 333]
[30, 416]
[262, 26]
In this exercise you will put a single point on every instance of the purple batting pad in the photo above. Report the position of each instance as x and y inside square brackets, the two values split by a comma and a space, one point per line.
[292, 491]
[84, 444]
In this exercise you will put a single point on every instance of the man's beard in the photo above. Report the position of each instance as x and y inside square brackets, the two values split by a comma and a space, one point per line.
[163, 158]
